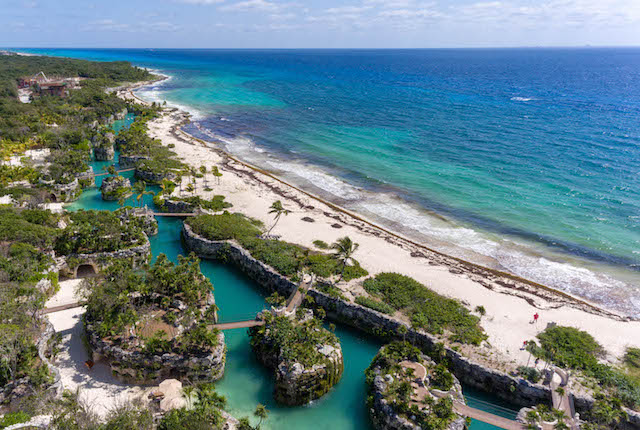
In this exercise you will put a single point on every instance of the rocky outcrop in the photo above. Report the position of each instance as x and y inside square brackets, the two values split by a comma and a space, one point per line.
[104, 153]
[115, 188]
[104, 146]
[63, 193]
[384, 413]
[139, 255]
[177, 206]
[143, 217]
[295, 382]
[132, 363]
[129, 161]
[122, 114]
[154, 177]
[140, 368]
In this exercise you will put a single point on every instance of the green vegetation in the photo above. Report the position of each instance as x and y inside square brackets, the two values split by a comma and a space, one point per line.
[65, 126]
[97, 231]
[216, 204]
[606, 414]
[286, 258]
[146, 301]
[375, 305]
[320, 244]
[427, 309]
[31, 226]
[430, 414]
[291, 340]
[12, 418]
[155, 159]
[531, 374]
[575, 349]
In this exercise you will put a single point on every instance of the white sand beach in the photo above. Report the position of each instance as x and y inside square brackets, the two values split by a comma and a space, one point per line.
[510, 303]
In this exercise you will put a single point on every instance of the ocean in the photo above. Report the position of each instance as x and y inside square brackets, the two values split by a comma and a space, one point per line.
[523, 160]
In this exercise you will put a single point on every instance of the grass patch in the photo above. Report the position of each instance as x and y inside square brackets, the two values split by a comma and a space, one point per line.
[375, 305]
[427, 309]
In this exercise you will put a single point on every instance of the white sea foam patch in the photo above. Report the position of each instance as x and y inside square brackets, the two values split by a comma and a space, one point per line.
[156, 93]
[522, 99]
[320, 179]
[510, 255]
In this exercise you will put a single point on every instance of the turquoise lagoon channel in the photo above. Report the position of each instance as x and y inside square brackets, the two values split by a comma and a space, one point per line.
[246, 383]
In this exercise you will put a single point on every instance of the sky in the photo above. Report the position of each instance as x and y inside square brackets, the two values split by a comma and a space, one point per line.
[318, 23]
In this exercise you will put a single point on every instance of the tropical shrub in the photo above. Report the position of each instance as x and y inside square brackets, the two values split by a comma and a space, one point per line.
[427, 309]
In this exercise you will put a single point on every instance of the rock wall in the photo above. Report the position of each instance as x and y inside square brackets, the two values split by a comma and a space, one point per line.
[295, 383]
[177, 206]
[513, 389]
[155, 177]
[129, 161]
[115, 187]
[104, 152]
[139, 254]
[136, 367]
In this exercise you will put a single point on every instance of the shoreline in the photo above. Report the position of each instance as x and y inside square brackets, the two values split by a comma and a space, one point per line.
[448, 275]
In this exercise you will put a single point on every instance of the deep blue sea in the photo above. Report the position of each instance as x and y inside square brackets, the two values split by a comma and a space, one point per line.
[525, 160]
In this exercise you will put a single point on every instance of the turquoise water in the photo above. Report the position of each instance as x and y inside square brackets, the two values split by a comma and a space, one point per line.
[247, 383]
[525, 160]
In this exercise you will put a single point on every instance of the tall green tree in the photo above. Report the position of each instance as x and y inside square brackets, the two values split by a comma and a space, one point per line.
[344, 250]
[140, 189]
[278, 210]
[261, 413]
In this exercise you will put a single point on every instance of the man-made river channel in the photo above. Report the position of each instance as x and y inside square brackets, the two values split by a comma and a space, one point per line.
[246, 383]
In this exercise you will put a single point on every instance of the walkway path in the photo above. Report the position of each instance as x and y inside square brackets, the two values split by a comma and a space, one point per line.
[98, 385]
[239, 324]
[298, 295]
[106, 173]
[562, 402]
[174, 214]
[64, 307]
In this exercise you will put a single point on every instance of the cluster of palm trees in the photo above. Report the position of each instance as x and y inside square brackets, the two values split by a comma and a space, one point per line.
[344, 247]
[140, 187]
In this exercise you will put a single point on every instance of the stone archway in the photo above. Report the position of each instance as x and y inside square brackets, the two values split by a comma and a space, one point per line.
[53, 198]
[86, 270]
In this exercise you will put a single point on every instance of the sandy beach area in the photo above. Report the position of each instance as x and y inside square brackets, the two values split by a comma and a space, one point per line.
[510, 302]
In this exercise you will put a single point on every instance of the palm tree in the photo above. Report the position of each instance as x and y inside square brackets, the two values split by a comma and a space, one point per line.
[216, 172]
[279, 210]
[345, 248]
[111, 170]
[203, 170]
[190, 188]
[140, 189]
[262, 413]
[164, 186]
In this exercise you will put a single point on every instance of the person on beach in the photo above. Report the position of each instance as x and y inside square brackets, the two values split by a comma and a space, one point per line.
[535, 318]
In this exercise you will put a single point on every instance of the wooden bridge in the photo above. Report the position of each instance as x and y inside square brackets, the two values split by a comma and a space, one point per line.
[239, 324]
[177, 215]
[95, 175]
